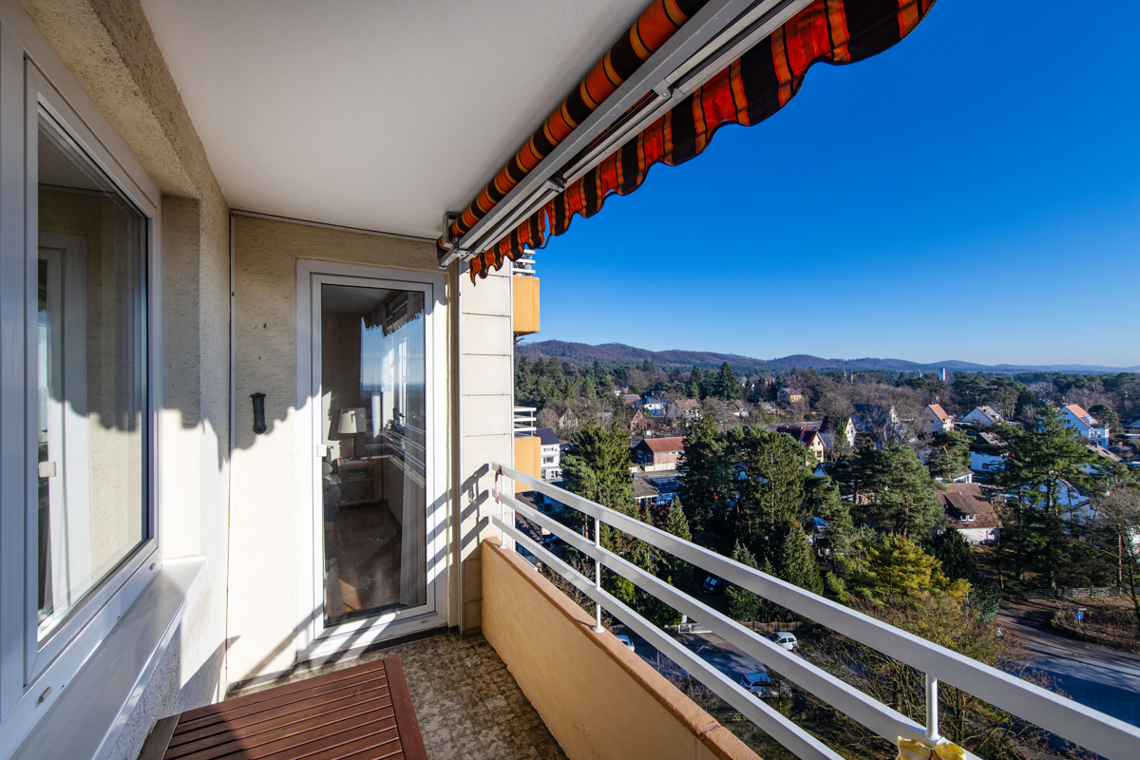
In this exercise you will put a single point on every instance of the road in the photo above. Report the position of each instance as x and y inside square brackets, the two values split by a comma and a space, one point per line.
[1101, 678]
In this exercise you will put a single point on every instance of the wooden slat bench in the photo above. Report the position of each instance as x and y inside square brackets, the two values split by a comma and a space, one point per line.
[364, 712]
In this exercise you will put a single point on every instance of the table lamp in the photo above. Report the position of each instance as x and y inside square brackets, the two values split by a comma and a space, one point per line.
[353, 420]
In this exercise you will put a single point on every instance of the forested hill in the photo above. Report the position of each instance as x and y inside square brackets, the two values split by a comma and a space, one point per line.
[611, 354]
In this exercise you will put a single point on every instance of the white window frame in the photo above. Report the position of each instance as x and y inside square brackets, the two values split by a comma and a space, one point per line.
[317, 643]
[32, 675]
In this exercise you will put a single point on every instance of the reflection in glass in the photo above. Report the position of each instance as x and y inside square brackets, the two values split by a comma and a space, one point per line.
[373, 407]
[91, 361]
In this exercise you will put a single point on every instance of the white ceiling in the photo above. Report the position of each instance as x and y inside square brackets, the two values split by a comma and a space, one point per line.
[377, 114]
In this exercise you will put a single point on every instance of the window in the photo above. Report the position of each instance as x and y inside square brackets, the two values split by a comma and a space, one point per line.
[91, 506]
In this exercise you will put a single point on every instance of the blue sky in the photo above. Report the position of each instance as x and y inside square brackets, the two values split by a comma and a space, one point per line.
[972, 193]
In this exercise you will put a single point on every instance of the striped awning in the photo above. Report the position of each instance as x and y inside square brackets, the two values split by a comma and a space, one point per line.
[748, 91]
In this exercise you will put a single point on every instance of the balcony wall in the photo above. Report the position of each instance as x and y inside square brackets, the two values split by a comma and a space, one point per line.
[599, 699]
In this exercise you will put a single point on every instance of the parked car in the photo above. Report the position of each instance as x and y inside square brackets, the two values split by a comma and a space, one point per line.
[784, 640]
[625, 640]
[759, 684]
[712, 586]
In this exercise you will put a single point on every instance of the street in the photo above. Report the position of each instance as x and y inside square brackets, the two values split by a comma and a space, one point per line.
[1101, 678]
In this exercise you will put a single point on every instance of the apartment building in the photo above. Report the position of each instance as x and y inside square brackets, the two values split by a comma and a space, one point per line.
[258, 317]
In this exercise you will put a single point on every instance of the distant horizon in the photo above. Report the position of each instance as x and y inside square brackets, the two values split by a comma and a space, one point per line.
[542, 338]
[922, 203]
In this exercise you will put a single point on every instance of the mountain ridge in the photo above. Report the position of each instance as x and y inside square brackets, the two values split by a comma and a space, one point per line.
[620, 353]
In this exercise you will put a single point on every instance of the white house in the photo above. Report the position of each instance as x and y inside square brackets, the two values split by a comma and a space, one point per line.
[1085, 424]
[551, 454]
[653, 405]
[934, 419]
[982, 416]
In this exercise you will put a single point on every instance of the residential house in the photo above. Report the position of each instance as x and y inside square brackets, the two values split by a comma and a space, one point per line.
[683, 409]
[655, 454]
[934, 419]
[650, 489]
[881, 423]
[982, 416]
[639, 423]
[258, 329]
[737, 408]
[970, 513]
[833, 430]
[551, 454]
[1085, 424]
[786, 397]
[986, 453]
[810, 438]
[654, 404]
[632, 399]
[1133, 426]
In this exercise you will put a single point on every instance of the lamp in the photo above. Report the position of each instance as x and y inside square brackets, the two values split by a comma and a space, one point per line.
[353, 420]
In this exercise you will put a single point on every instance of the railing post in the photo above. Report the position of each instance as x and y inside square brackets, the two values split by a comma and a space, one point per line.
[932, 708]
[598, 574]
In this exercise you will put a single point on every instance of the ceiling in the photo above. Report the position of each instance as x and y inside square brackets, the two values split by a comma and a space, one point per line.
[369, 114]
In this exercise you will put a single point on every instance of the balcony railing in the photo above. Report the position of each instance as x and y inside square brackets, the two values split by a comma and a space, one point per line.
[524, 423]
[1093, 730]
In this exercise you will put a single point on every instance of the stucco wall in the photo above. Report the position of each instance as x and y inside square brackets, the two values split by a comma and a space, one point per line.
[598, 699]
[108, 47]
[264, 561]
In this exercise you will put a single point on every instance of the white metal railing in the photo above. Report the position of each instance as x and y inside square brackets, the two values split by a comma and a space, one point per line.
[1089, 728]
[524, 421]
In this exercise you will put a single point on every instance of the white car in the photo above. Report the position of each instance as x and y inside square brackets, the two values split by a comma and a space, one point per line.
[759, 684]
[625, 640]
[784, 640]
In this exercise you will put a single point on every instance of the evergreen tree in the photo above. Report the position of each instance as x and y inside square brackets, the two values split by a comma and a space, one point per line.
[725, 385]
[770, 470]
[896, 567]
[1044, 461]
[706, 483]
[904, 500]
[1106, 416]
[822, 499]
[743, 605]
[953, 551]
[794, 559]
[949, 454]
[694, 387]
[675, 570]
[554, 367]
[597, 468]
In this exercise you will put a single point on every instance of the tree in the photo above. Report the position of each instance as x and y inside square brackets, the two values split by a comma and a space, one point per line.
[597, 468]
[706, 482]
[949, 454]
[896, 567]
[675, 570]
[892, 489]
[1115, 534]
[953, 551]
[743, 605]
[770, 470]
[794, 559]
[694, 386]
[1044, 461]
[554, 367]
[725, 384]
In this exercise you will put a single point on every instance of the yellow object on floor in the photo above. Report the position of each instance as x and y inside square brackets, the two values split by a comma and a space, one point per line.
[909, 749]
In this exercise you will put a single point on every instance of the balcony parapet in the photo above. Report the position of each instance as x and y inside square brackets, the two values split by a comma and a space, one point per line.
[1084, 726]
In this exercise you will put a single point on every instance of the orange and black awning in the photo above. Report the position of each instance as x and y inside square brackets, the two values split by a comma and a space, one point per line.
[748, 91]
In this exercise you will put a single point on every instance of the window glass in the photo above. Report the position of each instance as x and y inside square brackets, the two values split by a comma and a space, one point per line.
[373, 369]
[91, 362]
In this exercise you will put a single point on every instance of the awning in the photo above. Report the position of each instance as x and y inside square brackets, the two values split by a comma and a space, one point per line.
[748, 91]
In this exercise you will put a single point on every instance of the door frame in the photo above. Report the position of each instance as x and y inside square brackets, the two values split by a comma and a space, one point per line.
[316, 643]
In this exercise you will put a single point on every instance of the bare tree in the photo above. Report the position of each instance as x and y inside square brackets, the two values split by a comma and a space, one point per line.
[1116, 533]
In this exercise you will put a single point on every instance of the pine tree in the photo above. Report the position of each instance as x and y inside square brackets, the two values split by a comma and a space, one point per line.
[694, 387]
[904, 500]
[743, 605]
[554, 367]
[706, 484]
[795, 561]
[725, 385]
[597, 468]
[675, 570]
[949, 454]
[770, 470]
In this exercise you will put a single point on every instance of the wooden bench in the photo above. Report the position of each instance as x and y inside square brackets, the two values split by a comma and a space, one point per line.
[364, 712]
